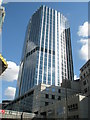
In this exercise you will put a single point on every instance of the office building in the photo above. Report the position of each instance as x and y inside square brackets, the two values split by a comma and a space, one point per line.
[47, 54]
[85, 78]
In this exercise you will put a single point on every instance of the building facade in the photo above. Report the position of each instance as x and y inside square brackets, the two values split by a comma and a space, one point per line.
[85, 78]
[76, 107]
[48, 101]
[39, 97]
[47, 54]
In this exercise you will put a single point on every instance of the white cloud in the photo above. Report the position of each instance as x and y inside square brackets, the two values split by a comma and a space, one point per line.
[83, 33]
[10, 92]
[83, 52]
[75, 77]
[11, 73]
[83, 41]
[83, 30]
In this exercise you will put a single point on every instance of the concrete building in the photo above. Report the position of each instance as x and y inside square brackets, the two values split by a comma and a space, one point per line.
[85, 82]
[66, 101]
[75, 107]
[74, 85]
[4, 103]
[85, 78]
[39, 97]
[47, 53]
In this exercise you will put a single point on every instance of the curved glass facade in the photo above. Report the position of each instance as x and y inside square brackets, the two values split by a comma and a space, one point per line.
[47, 54]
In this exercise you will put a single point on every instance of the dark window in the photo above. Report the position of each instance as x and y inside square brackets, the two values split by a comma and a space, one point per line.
[85, 90]
[81, 77]
[46, 103]
[73, 107]
[59, 90]
[77, 116]
[84, 82]
[47, 96]
[76, 106]
[59, 97]
[84, 75]
[50, 51]
[53, 96]
[46, 50]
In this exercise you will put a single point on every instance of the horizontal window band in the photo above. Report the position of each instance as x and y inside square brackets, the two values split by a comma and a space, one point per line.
[38, 49]
[32, 51]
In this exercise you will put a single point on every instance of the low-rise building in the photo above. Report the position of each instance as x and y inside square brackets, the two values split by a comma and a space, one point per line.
[74, 85]
[70, 100]
[75, 106]
[85, 78]
[39, 97]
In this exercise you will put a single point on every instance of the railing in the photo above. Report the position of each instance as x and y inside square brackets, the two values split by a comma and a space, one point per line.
[9, 114]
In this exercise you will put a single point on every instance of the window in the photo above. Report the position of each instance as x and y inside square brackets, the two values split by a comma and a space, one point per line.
[84, 74]
[81, 77]
[77, 116]
[47, 96]
[53, 89]
[84, 82]
[47, 89]
[59, 90]
[59, 97]
[73, 107]
[85, 90]
[53, 96]
[76, 106]
[46, 103]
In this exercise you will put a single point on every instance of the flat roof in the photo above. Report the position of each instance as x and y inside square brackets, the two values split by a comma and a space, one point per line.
[85, 65]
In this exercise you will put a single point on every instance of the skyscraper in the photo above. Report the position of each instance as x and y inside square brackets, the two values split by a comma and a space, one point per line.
[47, 54]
